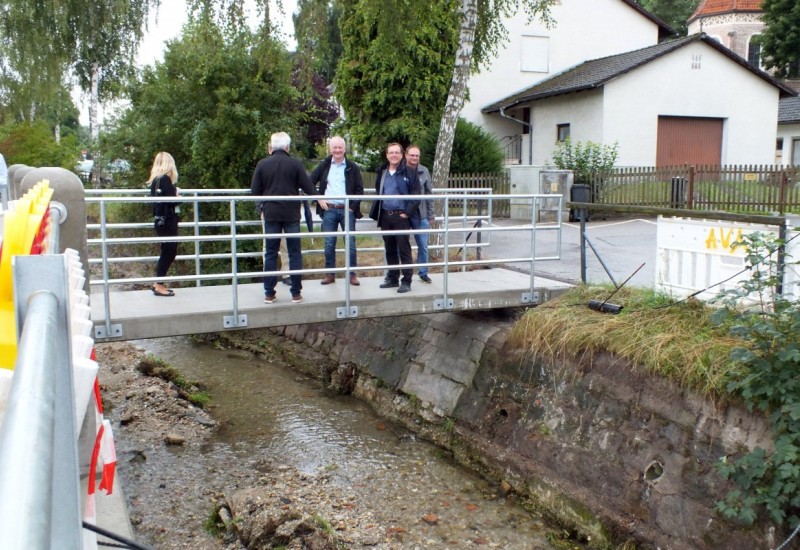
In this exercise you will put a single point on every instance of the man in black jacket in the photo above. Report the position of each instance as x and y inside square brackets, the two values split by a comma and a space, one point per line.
[281, 175]
[394, 214]
[337, 176]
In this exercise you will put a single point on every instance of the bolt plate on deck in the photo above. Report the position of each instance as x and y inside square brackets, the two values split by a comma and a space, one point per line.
[442, 304]
[232, 321]
[530, 298]
[346, 312]
[100, 332]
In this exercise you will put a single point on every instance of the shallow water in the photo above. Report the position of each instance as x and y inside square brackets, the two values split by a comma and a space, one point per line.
[268, 413]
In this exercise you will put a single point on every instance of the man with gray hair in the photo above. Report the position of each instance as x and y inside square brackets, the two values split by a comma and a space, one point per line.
[337, 176]
[281, 175]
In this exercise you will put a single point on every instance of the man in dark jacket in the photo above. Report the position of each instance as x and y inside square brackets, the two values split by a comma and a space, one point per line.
[337, 176]
[395, 178]
[281, 175]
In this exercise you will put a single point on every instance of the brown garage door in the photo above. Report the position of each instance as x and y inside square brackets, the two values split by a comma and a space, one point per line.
[689, 140]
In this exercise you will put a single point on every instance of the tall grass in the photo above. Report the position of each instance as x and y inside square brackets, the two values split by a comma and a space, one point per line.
[653, 332]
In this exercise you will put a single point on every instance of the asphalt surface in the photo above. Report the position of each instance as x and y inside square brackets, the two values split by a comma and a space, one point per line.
[624, 246]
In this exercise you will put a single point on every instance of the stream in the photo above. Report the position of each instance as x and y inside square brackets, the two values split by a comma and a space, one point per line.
[268, 414]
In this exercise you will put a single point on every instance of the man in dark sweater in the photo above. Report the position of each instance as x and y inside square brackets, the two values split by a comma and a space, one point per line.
[281, 175]
[393, 214]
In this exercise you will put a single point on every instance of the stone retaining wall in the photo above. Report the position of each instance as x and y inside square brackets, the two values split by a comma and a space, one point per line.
[611, 453]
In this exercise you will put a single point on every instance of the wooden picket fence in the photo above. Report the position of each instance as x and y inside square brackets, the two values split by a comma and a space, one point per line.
[743, 189]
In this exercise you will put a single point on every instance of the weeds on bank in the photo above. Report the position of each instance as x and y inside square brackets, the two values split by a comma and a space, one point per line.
[674, 339]
[769, 383]
[156, 367]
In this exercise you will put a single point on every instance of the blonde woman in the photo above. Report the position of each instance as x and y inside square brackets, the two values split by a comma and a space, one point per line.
[163, 178]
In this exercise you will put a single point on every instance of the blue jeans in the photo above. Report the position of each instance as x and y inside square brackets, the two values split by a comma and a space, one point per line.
[332, 220]
[271, 256]
[418, 222]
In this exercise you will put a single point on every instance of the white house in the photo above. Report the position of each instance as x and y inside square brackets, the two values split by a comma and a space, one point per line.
[533, 52]
[688, 100]
[788, 143]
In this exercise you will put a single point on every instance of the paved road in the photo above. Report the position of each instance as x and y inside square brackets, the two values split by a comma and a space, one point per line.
[623, 245]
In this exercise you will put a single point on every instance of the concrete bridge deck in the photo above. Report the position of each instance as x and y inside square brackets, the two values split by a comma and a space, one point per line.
[140, 314]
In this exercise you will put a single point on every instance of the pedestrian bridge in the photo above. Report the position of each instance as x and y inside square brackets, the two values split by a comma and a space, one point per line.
[220, 262]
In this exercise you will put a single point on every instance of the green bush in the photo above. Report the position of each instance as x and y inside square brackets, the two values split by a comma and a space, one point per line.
[586, 160]
[34, 145]
[474, 150]
[765, 480]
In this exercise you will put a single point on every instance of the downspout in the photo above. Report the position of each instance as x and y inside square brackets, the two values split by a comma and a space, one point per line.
[530, 131]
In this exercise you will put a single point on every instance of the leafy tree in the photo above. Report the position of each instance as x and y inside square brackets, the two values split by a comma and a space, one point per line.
[212, 103]
[315, 109]
[319, 42]
[42, 41]
[781, 37]
[474, 150]
[674, 13]
[34, 145]
[392, 78]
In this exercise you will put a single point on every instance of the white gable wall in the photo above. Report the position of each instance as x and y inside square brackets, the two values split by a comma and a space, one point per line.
[582, 111]
[670, 86]
[583, 30]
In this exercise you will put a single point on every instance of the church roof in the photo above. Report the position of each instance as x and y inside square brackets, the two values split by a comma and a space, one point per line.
[719, 7]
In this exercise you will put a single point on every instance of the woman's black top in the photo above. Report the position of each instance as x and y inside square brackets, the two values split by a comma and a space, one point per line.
[162, 187]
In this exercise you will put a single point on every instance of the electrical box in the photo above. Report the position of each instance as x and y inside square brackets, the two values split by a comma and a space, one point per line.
[554, 182]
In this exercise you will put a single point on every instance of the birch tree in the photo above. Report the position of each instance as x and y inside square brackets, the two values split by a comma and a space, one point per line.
[481, 32]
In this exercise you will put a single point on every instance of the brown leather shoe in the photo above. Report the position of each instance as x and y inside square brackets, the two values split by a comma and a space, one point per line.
[354, 280]
[329, 278]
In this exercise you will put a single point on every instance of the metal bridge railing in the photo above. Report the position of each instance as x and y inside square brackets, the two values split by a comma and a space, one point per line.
[453, 232]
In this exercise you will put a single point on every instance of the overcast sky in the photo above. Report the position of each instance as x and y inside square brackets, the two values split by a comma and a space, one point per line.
[167, 25]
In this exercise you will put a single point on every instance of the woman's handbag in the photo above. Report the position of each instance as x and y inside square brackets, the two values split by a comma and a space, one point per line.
[159, 222]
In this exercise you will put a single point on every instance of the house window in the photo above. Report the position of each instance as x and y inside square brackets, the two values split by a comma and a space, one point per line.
[779, 151]
[535, 54]
[754, 51]
[796, 151]
[562, 132]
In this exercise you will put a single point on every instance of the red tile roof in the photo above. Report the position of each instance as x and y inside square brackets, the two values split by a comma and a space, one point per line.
[716, 7]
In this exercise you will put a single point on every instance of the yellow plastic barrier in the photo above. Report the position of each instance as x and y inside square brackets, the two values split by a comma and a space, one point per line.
[25, 231]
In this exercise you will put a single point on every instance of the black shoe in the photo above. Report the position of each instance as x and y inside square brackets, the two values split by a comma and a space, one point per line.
[390, 283]
[425, 279]
[405, 287]
[287, 281]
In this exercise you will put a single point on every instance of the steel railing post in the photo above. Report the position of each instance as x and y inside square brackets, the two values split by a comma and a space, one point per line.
[104, 248]
[234, 265]
[196, 217]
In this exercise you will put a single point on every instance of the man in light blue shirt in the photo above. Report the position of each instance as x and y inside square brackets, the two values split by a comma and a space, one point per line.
[337, 177]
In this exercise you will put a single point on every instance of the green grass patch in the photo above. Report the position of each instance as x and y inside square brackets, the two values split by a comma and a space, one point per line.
[156, 367]
[653, 331]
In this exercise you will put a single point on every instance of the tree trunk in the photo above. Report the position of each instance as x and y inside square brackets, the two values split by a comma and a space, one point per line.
[94, 100]
[458, 90]
[57, 133]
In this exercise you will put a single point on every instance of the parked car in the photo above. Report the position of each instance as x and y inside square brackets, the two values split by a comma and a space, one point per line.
[114, 173]
[84, 169]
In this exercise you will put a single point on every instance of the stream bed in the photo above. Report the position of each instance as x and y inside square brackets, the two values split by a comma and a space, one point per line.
[268, 414]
